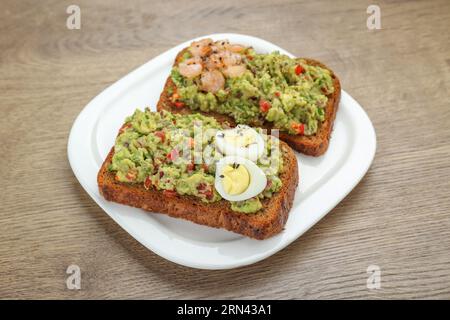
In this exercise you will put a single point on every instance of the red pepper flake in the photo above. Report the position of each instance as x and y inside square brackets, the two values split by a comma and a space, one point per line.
[298, 127]
[173, 155]
[161, 135]
[249, 57]
[277, 93]
[179, 104]
[205, 167]
[264, 105]
[147, 183]
[299, 70]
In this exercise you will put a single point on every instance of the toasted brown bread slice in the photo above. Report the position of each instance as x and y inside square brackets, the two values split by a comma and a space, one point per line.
[314, 145]
[260, 225]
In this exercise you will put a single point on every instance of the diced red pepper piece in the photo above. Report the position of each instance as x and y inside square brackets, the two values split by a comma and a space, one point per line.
[147, 183]
[161, 135]
[206, 190]
[299, 70]
[169, 193]
[131, 175]
[190, 166]
[264, 105]
[209, 194]
[179, 104]
[124, 127]
[201, 186]
[173, 155]
[298, 127]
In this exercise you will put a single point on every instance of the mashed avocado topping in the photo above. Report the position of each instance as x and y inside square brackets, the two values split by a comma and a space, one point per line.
[287, 92]
[164, 151]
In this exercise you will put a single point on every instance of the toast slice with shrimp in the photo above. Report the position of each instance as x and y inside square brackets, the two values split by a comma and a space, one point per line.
[268, 221]
[314, 145]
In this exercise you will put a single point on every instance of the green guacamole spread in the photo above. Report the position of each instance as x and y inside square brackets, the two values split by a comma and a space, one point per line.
[287, 92]
[151, 149]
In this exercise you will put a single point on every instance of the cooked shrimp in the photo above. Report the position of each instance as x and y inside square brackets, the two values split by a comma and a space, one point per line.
[190, 68]
[230, 59]
[214, 61]
[201, 48]
[221, 44]
[212, 81]
[236, 48]
[234, 71]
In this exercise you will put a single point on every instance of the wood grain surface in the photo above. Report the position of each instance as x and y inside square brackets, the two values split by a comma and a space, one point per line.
[398, 217]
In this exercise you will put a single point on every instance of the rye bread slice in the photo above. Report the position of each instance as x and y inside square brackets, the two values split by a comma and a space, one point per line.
[314, 145]
[260, 225]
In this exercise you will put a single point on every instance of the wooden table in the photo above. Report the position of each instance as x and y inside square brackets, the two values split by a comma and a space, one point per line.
[398, 217]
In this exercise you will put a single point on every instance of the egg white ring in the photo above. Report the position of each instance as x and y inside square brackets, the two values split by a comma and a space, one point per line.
[252, 152]
[258, 179]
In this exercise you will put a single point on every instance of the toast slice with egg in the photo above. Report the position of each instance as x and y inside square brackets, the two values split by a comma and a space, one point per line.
[314, 145]
[263, 224]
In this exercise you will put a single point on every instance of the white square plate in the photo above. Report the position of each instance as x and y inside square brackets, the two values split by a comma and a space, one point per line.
[324, 181]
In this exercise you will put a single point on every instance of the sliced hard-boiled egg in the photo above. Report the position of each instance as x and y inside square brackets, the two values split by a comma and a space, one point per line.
[242, 141]
[238, 178]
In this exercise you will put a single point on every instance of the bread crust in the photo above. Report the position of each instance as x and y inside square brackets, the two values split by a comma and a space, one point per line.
[314, 145]
[260, 225]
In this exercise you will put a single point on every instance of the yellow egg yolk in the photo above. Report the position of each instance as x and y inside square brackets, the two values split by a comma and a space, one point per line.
[236, 179]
